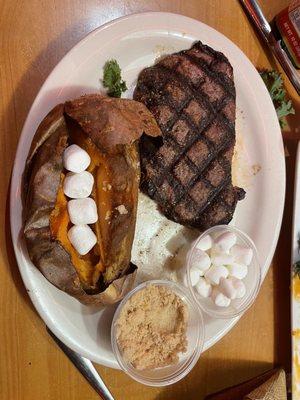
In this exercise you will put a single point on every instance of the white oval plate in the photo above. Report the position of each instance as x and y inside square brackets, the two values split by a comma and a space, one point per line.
[136, 41]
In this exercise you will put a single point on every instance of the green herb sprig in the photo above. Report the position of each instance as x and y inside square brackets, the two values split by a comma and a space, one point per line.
[112, 79]
[274, 83]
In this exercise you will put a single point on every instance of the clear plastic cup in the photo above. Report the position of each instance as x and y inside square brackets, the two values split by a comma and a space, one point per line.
[195, 337]
[252, 280]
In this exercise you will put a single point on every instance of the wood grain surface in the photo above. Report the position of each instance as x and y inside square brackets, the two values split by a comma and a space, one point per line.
[34, 36]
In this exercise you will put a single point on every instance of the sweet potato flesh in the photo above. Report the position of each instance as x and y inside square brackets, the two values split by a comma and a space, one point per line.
[91, 266]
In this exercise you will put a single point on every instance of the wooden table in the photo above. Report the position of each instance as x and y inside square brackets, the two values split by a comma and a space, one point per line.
[35, 34]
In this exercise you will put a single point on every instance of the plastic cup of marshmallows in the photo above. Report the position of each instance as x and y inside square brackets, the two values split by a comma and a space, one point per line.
[223, 273]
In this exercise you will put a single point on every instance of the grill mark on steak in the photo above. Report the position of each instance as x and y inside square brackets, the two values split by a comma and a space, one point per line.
[188, 170]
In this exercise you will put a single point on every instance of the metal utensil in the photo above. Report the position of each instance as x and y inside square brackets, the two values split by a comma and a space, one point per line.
[256, 15]
[85, 367]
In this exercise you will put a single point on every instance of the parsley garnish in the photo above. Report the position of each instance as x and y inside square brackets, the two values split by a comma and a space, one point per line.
[112, 79]
[274, 83]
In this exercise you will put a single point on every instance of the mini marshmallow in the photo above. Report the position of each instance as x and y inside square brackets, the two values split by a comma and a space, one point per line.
[205, 243]
[239, 271]
[219, 259]
[240, 287]
[75, 159]
[242, 254]
[203, 288]
[219, 298]
[195, 274]
[82, 238]
[214, 274]
[200, 260]
[225, 241]
[82, 211]
[228, 288]
[78, 185]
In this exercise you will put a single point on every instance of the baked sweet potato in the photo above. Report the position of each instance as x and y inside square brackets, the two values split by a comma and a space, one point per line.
[107, 128]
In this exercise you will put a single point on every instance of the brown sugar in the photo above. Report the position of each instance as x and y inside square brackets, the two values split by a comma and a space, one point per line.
[151, 328]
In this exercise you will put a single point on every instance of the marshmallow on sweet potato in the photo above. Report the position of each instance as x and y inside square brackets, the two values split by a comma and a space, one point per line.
[82, 211]
[82, 238]
[75, 159]
[78, 185]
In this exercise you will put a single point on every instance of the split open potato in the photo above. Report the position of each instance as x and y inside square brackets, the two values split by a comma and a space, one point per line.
[108, 130]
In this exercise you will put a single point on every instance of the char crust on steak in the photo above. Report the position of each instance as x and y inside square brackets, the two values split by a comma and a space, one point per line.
[187, 170]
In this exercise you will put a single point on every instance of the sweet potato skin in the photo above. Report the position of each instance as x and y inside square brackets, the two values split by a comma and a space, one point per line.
[96, 113]
[42, 178]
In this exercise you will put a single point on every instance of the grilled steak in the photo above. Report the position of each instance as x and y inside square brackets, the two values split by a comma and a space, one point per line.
[188, 170]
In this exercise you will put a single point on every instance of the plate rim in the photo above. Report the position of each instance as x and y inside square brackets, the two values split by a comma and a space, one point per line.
[14, 179]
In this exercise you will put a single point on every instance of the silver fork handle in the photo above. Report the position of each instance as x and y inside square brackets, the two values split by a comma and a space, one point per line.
[85, 367]
[255, 13]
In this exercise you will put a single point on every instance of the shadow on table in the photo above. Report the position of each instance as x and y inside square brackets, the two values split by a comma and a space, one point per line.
[213, 377]
[281, 271]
